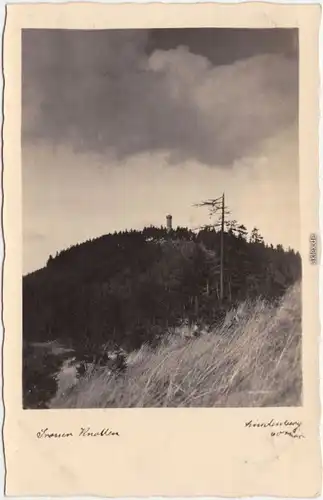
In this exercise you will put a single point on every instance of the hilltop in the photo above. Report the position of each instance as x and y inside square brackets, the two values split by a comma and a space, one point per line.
[128, 288]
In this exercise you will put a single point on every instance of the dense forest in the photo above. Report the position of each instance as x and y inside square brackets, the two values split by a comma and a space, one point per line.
[127, 288]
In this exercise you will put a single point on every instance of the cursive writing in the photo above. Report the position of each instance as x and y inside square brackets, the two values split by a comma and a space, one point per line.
[87, 432]
[278, 428]
[83, 432]
[45, 433]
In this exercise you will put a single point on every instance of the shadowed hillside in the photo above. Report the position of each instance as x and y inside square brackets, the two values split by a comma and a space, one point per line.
[127, 289]
[253, 359]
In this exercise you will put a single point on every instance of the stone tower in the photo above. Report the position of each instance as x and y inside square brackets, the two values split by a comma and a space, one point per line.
[169, 223]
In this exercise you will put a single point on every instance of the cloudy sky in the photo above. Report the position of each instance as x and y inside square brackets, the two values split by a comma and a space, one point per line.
[120, 127]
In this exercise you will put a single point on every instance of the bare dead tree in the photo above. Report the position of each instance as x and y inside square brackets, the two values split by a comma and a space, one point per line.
[217, 208]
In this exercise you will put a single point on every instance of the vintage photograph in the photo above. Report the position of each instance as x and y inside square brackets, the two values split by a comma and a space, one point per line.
[161, 218]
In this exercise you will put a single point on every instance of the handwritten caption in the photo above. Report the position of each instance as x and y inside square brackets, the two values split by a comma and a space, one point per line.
[279, 428]
[83, 432]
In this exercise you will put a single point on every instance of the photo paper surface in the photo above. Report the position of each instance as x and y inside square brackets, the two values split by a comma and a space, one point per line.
[161, 250]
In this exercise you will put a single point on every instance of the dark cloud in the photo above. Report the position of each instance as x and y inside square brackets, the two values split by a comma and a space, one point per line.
[223, 45]
[209, 95]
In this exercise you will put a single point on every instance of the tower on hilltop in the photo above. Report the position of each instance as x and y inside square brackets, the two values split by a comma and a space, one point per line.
[169, 219]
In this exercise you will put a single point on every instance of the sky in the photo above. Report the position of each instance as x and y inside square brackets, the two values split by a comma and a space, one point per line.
[121, 127]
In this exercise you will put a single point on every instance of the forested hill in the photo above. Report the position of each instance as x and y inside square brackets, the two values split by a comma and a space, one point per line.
[129, 287]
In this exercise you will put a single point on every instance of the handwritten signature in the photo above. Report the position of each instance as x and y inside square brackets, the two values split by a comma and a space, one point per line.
[83, 432]
[291, 428]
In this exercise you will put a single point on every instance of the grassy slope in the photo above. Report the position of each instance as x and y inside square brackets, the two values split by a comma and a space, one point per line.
[254, 359]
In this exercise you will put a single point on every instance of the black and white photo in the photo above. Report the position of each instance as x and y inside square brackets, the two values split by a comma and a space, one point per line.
[161, 218]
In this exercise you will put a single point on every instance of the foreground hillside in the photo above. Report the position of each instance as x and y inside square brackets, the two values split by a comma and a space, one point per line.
[252, 359]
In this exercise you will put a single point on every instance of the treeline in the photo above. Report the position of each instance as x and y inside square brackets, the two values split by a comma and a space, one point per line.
[127, 288]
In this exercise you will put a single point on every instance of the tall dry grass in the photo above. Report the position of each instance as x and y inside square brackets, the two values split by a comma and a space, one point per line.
[253, 359]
